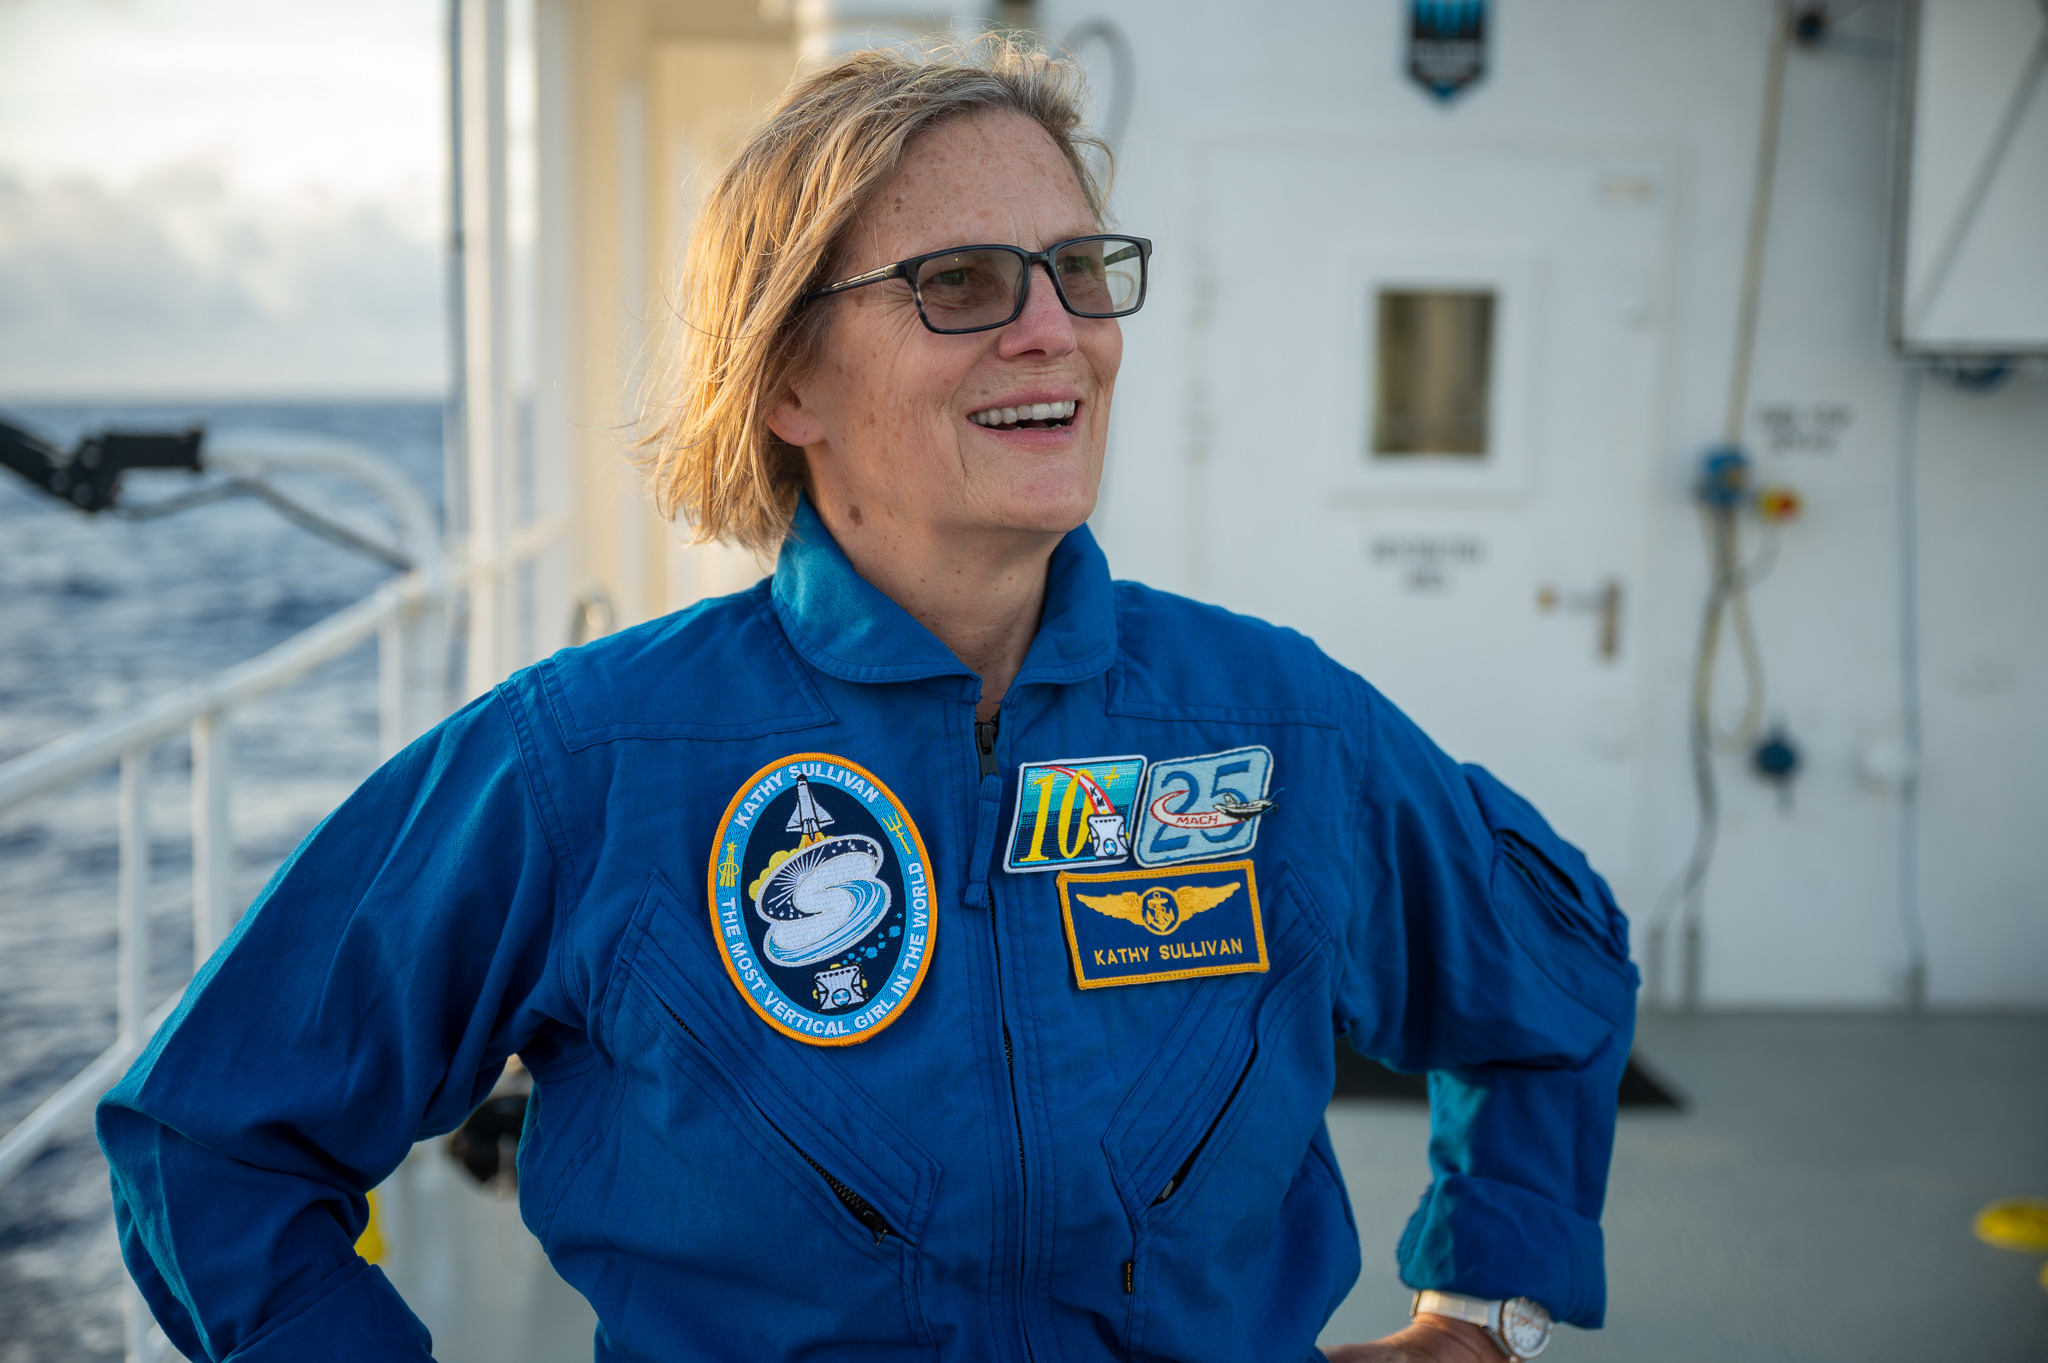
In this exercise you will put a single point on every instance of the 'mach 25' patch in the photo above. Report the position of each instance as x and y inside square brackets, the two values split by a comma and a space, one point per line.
[1137, 927]
[1204, 807]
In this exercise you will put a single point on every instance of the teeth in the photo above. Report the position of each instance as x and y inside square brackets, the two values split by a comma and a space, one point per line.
[1030, 411]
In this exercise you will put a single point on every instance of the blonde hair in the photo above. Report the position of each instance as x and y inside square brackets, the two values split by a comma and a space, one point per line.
[775, 221]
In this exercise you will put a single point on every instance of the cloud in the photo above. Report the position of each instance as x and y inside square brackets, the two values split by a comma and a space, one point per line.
[178, 284]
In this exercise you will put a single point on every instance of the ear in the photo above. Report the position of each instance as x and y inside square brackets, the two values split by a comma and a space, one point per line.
[794, 421]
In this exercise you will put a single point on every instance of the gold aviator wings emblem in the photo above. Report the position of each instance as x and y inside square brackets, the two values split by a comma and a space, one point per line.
[1160, 911]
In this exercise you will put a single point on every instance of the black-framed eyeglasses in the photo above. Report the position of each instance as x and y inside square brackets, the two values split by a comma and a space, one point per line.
[980, 288]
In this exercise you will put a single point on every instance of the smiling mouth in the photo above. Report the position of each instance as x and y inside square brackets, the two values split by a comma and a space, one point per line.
[1032, 416]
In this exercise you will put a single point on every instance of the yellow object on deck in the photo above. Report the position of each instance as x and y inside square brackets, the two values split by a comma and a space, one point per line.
[2019, 1223]
[370, 1244]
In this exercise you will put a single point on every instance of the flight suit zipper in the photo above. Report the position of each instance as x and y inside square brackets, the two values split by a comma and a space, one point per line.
[863, 1210]
[985, 731]
[985, 743]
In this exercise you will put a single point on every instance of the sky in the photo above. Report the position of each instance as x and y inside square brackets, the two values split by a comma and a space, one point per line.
[221, 197]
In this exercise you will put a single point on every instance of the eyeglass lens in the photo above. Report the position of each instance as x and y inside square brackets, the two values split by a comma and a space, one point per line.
[966, 290]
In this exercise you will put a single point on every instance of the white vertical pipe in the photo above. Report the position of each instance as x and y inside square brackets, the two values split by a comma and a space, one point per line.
[487, 415]
[132, 911]
[454, 447]
[209, 834]
[1910, 714]
[554, 268]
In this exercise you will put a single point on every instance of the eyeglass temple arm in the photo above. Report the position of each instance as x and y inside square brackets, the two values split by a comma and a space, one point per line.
[874, 276]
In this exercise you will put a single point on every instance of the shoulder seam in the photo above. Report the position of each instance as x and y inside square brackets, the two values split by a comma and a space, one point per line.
[1355, 863]
[549, 816]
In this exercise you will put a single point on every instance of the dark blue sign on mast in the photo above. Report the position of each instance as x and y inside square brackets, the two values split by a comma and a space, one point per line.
[1446, 44]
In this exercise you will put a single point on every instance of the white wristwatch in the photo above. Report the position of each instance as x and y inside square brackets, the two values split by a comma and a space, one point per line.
[1518, 1327]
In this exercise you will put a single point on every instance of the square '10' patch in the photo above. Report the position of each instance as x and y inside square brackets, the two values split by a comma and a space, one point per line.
[1075, 812]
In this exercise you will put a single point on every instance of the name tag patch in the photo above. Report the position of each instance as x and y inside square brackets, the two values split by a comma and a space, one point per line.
[1074, 812]
[1139, 927]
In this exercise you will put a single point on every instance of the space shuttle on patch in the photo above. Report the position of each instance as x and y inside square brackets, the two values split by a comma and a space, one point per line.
[807, 816]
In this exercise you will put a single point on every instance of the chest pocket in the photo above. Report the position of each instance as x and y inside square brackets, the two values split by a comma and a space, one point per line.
[795, 1192]
[1235, 1217]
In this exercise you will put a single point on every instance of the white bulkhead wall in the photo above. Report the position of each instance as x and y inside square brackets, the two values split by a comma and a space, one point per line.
[1804, 904]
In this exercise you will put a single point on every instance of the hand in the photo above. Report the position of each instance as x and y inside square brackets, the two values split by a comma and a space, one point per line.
[1429, 1338]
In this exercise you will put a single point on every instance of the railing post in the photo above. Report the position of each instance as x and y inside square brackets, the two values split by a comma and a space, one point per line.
[135, 1325]
[393, 664]
[427, 703]
[412, 671]
[131, 966]
[209, 834]
[131, 959]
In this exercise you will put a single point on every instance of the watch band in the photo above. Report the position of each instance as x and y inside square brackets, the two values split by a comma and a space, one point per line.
[1503, 1321]
[1471, 1310]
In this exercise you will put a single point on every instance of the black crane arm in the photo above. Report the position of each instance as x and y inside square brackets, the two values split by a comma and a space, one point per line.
[91, 478]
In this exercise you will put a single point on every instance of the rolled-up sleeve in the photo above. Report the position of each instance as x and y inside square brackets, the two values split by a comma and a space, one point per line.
[1485, 952]
[367, 999]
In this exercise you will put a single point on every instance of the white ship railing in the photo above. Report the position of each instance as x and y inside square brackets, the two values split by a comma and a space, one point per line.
[204, 706]
[390, 613]
[407, 617]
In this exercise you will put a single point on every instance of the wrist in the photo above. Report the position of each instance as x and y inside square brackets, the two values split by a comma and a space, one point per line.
[1448, 1340]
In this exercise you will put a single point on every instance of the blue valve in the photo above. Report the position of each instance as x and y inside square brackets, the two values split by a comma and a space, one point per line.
[1724, 478]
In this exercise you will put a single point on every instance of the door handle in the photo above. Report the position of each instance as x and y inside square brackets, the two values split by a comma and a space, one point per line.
[1605, 601]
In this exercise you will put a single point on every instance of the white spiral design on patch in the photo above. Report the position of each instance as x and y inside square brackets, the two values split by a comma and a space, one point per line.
[823, 900]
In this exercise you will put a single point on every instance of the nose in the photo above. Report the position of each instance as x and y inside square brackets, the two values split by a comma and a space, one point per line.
[1044, 327]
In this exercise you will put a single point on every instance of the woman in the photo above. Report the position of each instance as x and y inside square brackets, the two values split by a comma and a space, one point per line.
[915, 955]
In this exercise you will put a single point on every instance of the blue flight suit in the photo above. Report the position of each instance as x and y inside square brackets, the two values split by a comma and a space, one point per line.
[1017, 1168]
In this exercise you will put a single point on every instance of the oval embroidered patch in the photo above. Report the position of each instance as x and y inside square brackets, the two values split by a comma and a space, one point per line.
[821, 899]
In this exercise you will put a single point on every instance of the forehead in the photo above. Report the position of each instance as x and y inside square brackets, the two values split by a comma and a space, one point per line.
[986, 178]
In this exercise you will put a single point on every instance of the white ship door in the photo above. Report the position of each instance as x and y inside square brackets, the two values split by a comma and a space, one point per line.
[1427, 390]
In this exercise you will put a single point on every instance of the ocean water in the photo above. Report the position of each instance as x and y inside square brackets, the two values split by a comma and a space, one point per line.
[96, 614]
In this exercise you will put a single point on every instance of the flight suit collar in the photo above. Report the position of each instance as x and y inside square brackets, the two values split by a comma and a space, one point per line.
[841, 624]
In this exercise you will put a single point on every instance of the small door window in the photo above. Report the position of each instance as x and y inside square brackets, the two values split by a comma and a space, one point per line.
[1433, 359]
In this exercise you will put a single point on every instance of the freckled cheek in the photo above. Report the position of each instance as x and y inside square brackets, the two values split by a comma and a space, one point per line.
[1109, 355]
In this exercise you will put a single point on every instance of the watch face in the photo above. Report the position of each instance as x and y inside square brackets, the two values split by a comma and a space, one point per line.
[1524, 1325]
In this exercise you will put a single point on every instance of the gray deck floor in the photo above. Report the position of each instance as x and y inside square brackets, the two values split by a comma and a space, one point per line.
[1811, 1204]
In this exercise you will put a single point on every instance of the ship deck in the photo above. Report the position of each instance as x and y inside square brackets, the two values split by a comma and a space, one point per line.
[1809, 1202]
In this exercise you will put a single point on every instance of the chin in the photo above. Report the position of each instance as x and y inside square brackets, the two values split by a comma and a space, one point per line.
[1047, 510]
